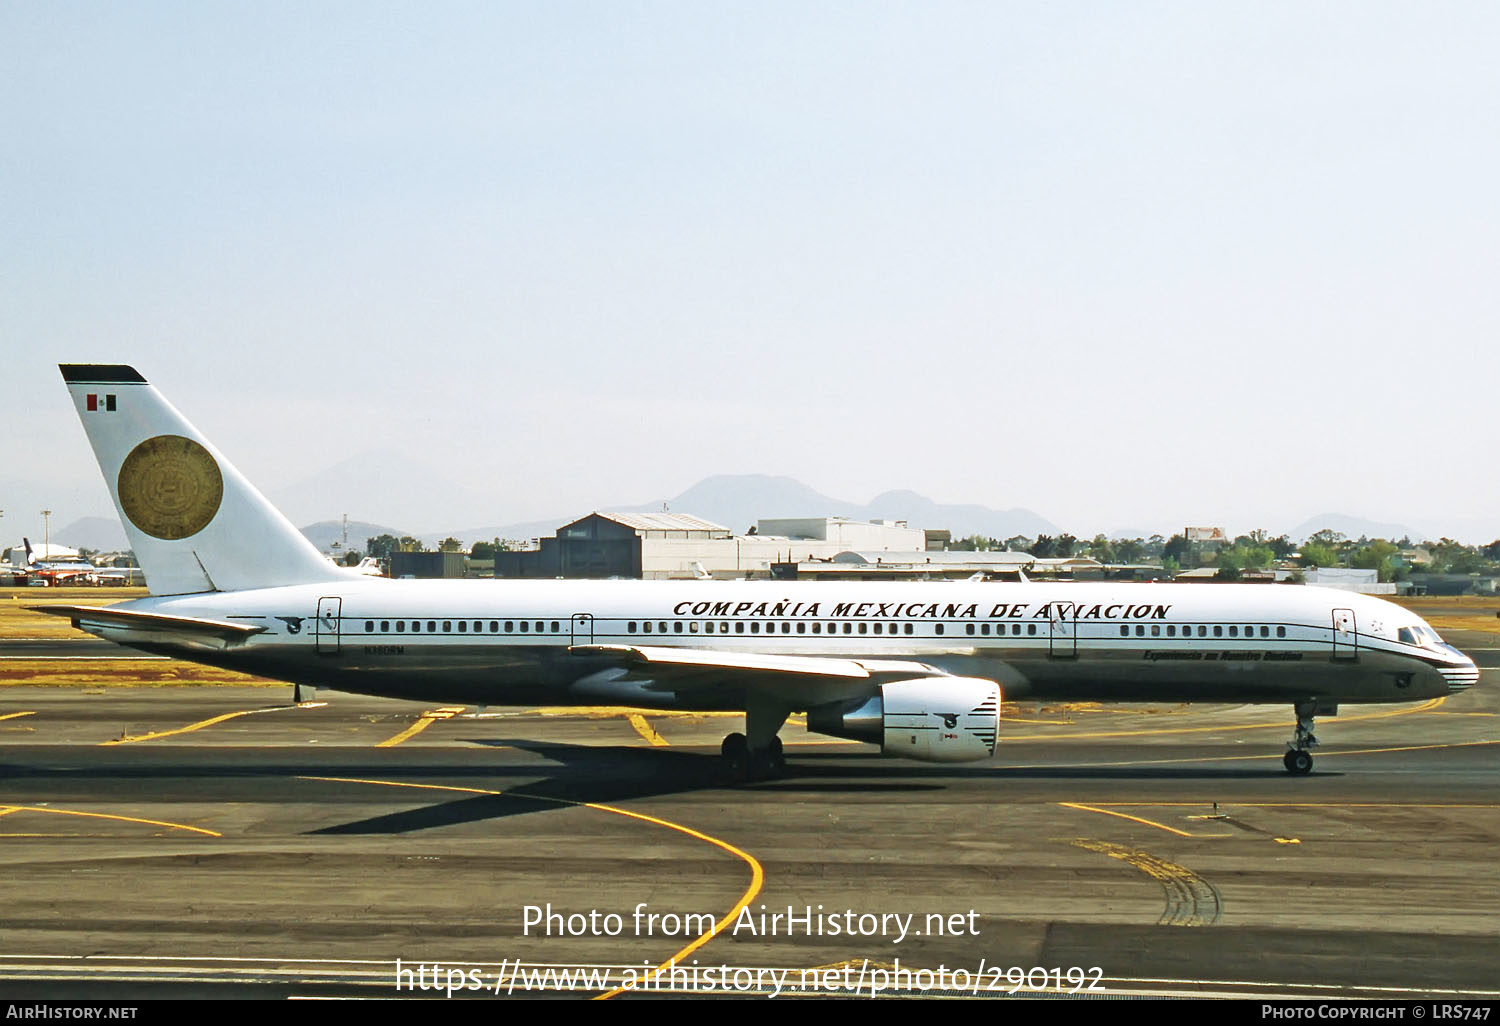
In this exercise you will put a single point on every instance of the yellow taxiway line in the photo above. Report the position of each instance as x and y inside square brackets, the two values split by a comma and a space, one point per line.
[154, 735]
[646, 731]
[427, 719]
[11, 716]
[131, 739]
[5, 810]
[1135, 819]
[757, 873]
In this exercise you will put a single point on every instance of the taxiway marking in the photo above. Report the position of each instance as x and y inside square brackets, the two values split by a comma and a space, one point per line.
[426, 720]
[1137, 819]
[757, 873]
[644, 728]
[7, 809]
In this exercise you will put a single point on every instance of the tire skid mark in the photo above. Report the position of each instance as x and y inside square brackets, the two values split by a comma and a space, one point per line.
[1191, 900]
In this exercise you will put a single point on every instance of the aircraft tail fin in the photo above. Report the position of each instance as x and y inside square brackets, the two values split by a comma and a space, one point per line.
[29, 557]
[194, 522]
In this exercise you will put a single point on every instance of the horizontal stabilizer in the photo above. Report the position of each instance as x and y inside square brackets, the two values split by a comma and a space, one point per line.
[97, 618]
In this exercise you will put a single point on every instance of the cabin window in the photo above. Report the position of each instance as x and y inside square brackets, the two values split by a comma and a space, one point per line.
[1031, 629]
[938, 628]
[848, 628]
[802, 628]
[385, 626]
[555, 627]
[878, 628]
[400, 626]
[863, 627]
[1140, 631]
[1265, 632]
[540, 626]
[984, 628]
[369, 626]
[1171, 631]
[526, 626]
[1156, 630]
[1124, 631]
[1234, 631]
[968, 628]
[494, 626]
[676, 626]
[646, 626]
[723, 626]
[755, 628]
[1202, 631]
[416, 625]
[786, 628]
[1015, 629]
[817, 628]
[1218, 631]
[510, 626]
[463, 627]
[908, 628]
[739, 628]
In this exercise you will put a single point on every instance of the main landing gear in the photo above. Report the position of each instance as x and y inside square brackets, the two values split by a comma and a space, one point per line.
[1298, 760]
[757, 756]
[744, 764]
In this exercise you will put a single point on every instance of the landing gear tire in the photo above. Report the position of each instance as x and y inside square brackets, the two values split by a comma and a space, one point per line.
[744, 765]
[1297, 763]
[735, 750]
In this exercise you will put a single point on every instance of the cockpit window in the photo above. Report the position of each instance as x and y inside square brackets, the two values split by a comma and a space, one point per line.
[1420, 635]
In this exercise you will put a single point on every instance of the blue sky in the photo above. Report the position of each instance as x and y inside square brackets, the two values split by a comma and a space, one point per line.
[1145, 264]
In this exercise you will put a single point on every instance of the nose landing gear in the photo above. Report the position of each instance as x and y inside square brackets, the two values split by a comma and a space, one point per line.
[1298, 760]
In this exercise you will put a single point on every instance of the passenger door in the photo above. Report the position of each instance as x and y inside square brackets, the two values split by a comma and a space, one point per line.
[326, 626]
[1345, 635]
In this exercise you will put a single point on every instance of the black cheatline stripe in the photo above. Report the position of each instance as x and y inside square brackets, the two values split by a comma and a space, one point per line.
[100, 374]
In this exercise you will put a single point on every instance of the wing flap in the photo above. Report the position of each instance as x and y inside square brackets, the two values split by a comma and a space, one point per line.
[796, 679]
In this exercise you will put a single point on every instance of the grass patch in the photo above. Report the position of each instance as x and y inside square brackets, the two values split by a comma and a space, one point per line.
[130, 673]
[16, 621]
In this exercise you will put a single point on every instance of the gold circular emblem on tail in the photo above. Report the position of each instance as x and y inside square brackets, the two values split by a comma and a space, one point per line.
[170, 487]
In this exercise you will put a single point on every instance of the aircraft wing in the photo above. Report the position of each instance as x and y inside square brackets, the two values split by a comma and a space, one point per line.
[131, 626]
[799, 679]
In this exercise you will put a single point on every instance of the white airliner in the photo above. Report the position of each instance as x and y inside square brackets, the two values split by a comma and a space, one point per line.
[916, 668]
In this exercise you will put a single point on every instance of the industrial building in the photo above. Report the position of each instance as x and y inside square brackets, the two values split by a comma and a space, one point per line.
[678, 546]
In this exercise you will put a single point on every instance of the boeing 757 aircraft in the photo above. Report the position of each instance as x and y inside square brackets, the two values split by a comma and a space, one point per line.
[916, 668]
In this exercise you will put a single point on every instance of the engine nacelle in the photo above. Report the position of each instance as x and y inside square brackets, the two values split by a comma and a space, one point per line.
[932, 719]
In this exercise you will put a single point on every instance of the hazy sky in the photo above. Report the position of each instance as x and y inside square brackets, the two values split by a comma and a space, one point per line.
[1123, 264]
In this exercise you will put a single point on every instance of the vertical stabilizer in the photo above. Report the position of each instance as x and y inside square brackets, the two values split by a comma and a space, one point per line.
[194, 522]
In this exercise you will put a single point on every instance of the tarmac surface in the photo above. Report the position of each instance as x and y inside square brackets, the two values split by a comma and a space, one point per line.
[222, 841]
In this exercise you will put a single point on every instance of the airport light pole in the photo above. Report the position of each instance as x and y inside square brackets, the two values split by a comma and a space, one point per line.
[46, 534]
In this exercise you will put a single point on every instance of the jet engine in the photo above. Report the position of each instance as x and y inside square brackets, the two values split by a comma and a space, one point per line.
[932, 719]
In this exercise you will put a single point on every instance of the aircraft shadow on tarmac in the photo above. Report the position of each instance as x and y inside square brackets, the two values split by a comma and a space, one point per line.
[595, 775]
[584, 774]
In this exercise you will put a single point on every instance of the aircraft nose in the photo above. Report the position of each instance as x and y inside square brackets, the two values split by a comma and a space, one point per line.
[1461, 675]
